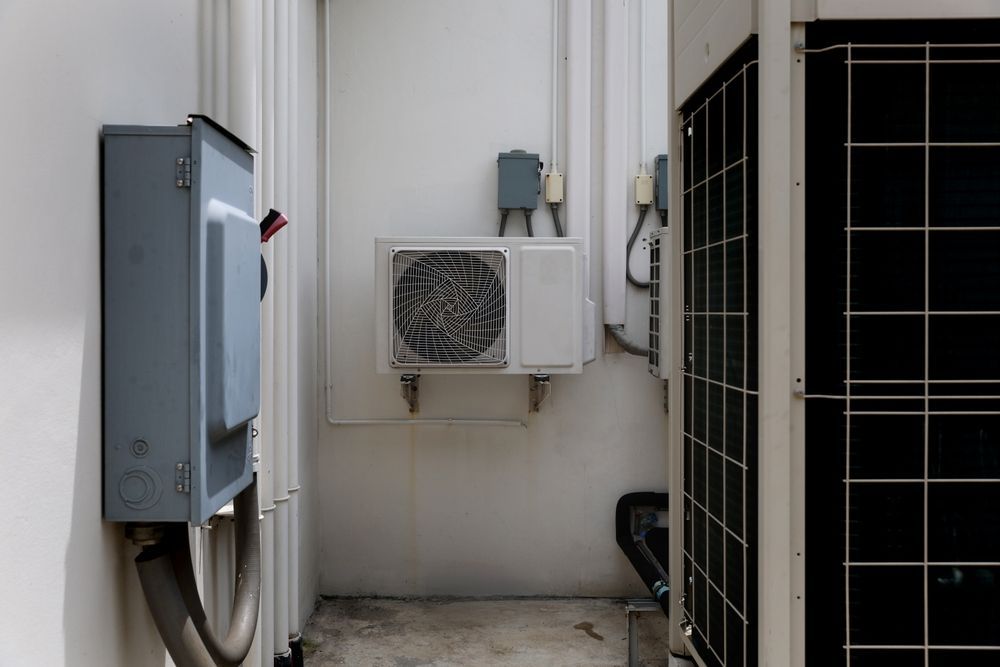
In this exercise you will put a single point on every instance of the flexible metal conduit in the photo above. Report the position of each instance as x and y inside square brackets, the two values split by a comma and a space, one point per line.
[168, 582]
[618, 333]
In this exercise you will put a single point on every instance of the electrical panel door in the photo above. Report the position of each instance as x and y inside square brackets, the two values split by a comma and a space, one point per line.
[181, 348]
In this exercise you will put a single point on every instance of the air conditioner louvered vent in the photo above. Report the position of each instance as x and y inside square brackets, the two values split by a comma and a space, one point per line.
[449, 307]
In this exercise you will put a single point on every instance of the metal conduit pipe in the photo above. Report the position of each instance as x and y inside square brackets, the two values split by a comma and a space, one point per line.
[168, 583]
[617, 332]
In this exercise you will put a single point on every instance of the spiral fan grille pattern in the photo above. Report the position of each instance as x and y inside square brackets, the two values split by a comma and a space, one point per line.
[449, 308]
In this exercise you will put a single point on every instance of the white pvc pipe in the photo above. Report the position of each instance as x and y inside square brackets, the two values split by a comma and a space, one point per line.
[220, 47]
[326, 220]
[242, 73]
[578, 130]
[615, 188]
[281, 343]
[257, 651]
[554, 159]
[242, 102]
[292, 232]
[268, 432]
[642, 86]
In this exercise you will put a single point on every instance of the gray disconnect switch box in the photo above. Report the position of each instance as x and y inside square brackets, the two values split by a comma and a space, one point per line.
[519, 180]
[181, 318]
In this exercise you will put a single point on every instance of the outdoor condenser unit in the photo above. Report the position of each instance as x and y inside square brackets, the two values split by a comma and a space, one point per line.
[835, 431]
[182, 286]
[479, 305]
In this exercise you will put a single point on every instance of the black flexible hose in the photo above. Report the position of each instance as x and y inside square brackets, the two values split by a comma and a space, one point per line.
[527, 221]
[628, 249]
[654, 542]
[503, 221]
[663, 218]
[168, 582]
[555, 219]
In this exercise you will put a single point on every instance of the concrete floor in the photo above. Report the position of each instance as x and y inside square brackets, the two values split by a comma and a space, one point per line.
[377, 632]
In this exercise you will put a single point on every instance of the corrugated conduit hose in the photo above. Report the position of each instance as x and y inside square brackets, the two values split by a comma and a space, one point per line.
[168, 582]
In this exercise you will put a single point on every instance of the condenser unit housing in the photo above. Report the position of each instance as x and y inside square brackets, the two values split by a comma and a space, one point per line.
[479, 305]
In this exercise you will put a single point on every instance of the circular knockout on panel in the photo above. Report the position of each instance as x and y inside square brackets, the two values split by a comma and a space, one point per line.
[140, 488]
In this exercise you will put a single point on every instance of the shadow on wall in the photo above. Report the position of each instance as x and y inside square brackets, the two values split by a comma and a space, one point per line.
[103, 604]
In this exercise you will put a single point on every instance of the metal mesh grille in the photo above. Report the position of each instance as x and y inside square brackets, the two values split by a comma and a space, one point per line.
[719, 252]
[654, 303]
[903, 423]
[449, 307]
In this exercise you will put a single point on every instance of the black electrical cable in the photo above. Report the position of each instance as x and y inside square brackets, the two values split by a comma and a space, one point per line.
[555, 219]
[503, 221]
[628, 249]
[527, 221]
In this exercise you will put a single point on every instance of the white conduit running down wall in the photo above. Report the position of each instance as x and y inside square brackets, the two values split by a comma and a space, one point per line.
[251, 86]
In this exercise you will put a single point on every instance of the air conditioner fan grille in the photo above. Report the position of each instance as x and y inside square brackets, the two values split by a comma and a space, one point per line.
[449, 307]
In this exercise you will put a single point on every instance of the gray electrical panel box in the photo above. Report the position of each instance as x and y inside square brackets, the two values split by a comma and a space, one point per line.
[520, 180]
[181, 348]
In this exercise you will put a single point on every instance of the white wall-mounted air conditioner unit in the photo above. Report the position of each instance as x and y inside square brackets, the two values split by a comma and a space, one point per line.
[479, 305]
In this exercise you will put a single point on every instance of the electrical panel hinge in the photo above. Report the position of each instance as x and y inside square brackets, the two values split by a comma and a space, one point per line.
[182, 172]
[182, 477]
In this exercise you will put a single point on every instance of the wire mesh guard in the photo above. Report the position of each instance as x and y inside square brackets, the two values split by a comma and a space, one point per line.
[449, 307]
[720, 371]
[903, 453]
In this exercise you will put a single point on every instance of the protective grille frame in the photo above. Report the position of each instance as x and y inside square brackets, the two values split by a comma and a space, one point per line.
[901, 442]
[718, 246]
[471, 278]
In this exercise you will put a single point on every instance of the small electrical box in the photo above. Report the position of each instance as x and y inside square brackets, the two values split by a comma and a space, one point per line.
[554, 191]
[181, 320]
[662, 183]
[519, 182]
[643, 190]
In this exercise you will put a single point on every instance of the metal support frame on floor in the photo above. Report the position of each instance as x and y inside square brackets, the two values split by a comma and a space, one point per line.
[632, 610]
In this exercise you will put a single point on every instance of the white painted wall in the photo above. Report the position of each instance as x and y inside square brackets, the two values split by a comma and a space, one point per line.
[69, 590]
[424, 96]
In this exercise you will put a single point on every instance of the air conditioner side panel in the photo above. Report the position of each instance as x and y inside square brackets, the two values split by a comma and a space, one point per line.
[382, 306]
[550, 323]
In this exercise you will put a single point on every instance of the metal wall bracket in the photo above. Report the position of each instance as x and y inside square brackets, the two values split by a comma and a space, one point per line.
[539, 388]
[409, 388]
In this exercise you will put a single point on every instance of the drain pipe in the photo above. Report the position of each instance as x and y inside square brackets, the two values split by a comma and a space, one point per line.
[282, 655]
[294, 639]
[579, 137]
[615, 166]
[168, 583]
[615, 158]
[269, 434]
